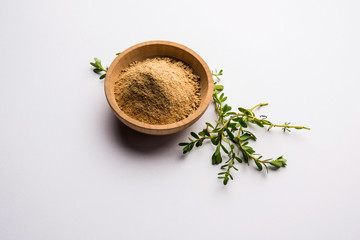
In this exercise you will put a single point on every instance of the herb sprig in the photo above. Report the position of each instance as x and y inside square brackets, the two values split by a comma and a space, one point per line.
[231, 138]
[98, 68]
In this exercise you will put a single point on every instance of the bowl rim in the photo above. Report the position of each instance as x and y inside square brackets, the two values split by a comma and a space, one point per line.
[193, 116]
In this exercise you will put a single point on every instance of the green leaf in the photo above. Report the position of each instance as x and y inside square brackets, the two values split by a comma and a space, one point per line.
[244, 111]
[258, 164]
[191, 146]
[194, 135]
[209, 125]
[226, 108]
[117, 53]
[259, 123]
[183, 144]
[225, 140]
[242, 122]
[238, 159]
[216, 130]
[246, 157]
[244, 137]
[96, 70]
[219, 87]
[97, 61]
[224, 149]
[216, 157]
[266, 122]
[232, 126]
[279, 162]
[251, 134]
[214, 140]
[231, 136]
[276, 163]
[206, 132]
[103, 76]
[229, 114]
[248, 149]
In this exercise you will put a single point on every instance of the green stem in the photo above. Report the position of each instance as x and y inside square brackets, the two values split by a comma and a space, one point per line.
[280, 125]
[240, 130]
[251, 156]
[287, 126]
[258, 105]
[196, 140]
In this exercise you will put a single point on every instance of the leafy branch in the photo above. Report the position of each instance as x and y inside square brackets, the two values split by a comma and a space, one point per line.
[98, 68]
[231, 138]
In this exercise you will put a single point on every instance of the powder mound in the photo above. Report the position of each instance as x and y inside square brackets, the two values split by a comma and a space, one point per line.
[158, 91]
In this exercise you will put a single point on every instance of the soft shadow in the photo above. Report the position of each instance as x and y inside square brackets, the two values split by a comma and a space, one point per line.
[137, 141]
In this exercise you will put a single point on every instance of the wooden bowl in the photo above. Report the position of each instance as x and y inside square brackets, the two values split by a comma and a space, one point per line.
[150, 49]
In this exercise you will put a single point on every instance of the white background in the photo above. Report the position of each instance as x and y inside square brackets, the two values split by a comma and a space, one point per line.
[70, 170]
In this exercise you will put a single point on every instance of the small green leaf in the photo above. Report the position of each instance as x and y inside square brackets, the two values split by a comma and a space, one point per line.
[242, 122]
[246, 157]
[231, 136]
[279, 162]
[194, 135]
[219, 87]
[103, 76]
[199, 143]
[229, 114]
[244, 111]
[244, 137]
[96, 70]
[266, 122]
[209, 125]
[183, 144]
[191, 146]
[224, 149]
[251, 134]
[218, 159]
[238, 159]
[258, 164]
[276, 163]
[215, 155]
[214, 140]
[259, 123]
[226, 108]
[206, 132]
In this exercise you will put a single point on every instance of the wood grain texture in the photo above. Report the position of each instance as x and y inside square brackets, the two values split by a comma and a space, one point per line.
[150, 49]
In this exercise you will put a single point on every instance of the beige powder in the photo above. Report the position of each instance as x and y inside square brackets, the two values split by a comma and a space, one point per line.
[158, 90]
